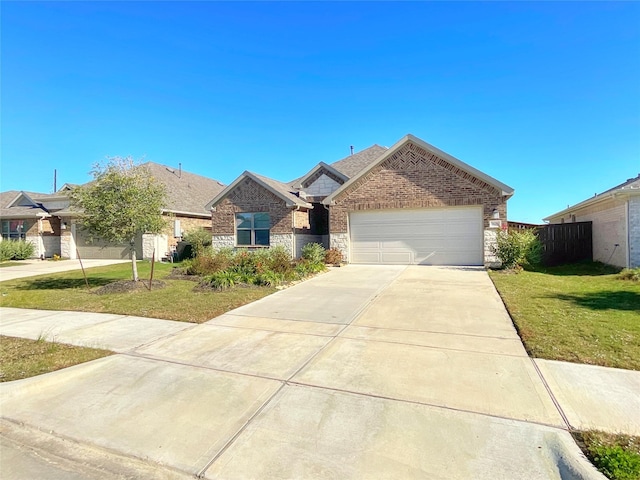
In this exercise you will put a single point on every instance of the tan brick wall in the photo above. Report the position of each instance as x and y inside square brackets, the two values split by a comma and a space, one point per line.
[301, 220]
[186, 225]
[249, 196]
[415, 178]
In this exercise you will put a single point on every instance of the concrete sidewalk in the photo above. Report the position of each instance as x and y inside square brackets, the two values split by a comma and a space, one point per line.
[364, 372]
[32, 268]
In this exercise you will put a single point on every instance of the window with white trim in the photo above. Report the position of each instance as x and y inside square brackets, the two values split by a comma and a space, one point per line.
[13, 230]
[252, 229]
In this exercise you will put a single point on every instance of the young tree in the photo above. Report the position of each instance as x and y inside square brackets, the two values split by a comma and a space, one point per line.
[122, 201]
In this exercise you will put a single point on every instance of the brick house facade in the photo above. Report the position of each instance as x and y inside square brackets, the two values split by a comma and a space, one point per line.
[410, 176]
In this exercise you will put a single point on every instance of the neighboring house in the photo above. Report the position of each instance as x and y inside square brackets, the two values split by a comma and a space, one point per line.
[32, 217]
[408, 204]
[615, 217]
[185, 210]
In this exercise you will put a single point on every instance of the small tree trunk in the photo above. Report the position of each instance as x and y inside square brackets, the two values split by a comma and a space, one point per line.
[134, 264]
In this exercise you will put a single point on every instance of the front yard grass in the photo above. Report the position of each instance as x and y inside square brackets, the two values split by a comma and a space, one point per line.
[24, 358]
[580, 313]
[616, 456]
[11, 263]
[176, 301]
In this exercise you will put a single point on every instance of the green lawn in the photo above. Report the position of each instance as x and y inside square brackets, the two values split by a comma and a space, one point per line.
[177, 301]
[11, 263]
[578, 313]
[24, 358]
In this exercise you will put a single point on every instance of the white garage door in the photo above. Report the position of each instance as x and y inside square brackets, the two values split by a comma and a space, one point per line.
[100, 249]
[430, 236]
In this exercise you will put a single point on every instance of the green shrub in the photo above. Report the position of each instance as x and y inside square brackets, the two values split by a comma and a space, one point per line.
[515, 248]
[313, 252]
[333, 256]
[200, 239]
[616, 462]
[632, 274]
[6, 250]
[269, 279]
[16, 250]
[305, 267]
[280, 260]
[222, 280]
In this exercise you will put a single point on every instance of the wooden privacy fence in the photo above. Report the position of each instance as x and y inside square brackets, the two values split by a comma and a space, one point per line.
[566, 243]
[562, 242]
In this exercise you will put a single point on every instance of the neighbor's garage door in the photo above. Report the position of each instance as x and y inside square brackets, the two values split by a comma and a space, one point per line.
[102, 250]
[430, 236]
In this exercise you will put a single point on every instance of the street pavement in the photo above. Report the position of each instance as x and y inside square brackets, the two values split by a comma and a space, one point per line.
[363, 372]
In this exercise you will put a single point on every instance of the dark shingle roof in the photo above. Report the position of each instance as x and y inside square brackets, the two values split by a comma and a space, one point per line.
[351, 165]
[186, 192]
[18, 211]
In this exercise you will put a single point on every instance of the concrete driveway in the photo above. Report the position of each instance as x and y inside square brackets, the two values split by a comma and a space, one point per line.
[364, 372]
[31, 268]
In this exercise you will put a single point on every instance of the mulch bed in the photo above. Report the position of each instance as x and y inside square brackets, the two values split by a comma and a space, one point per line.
[126, 286]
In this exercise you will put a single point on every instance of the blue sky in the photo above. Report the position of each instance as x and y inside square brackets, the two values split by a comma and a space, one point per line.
[543, 96]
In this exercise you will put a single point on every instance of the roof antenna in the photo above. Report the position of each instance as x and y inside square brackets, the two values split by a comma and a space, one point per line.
[180, 170]
[351, 147]
[55, 180]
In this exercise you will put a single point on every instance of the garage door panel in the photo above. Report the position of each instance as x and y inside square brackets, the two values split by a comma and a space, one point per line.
[89, 248]
[440, 236]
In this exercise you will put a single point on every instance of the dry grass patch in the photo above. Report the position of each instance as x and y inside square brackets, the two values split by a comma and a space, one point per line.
[24, 358]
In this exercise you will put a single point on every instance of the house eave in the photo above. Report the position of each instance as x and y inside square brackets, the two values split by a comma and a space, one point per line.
[622, 193]
[185, 214]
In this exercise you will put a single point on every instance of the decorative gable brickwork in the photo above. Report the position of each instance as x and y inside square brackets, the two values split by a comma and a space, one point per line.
[415, 178]
[249, 196]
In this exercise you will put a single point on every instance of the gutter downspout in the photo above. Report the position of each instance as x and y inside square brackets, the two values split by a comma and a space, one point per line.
[326, 207]
[628, 233]
[294, 248]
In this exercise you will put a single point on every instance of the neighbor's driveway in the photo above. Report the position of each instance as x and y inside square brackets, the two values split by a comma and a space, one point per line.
[364, 372]
[31, 268]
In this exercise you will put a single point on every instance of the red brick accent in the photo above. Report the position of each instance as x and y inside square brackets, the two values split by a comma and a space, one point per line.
[249, 196]
[415, 178]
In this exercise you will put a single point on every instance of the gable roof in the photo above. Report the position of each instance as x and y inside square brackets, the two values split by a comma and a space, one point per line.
[299, 182]
[19, 204]
[631, 187]
[279, 189]
[187, 193]
[354, 164]
[386, 153]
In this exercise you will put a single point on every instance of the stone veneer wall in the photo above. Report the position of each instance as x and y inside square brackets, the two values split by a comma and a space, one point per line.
[413, 178]
[634, 232]
[223, 241]
[490, 258]
[285, 240]
[67, 240]
[322, 187]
